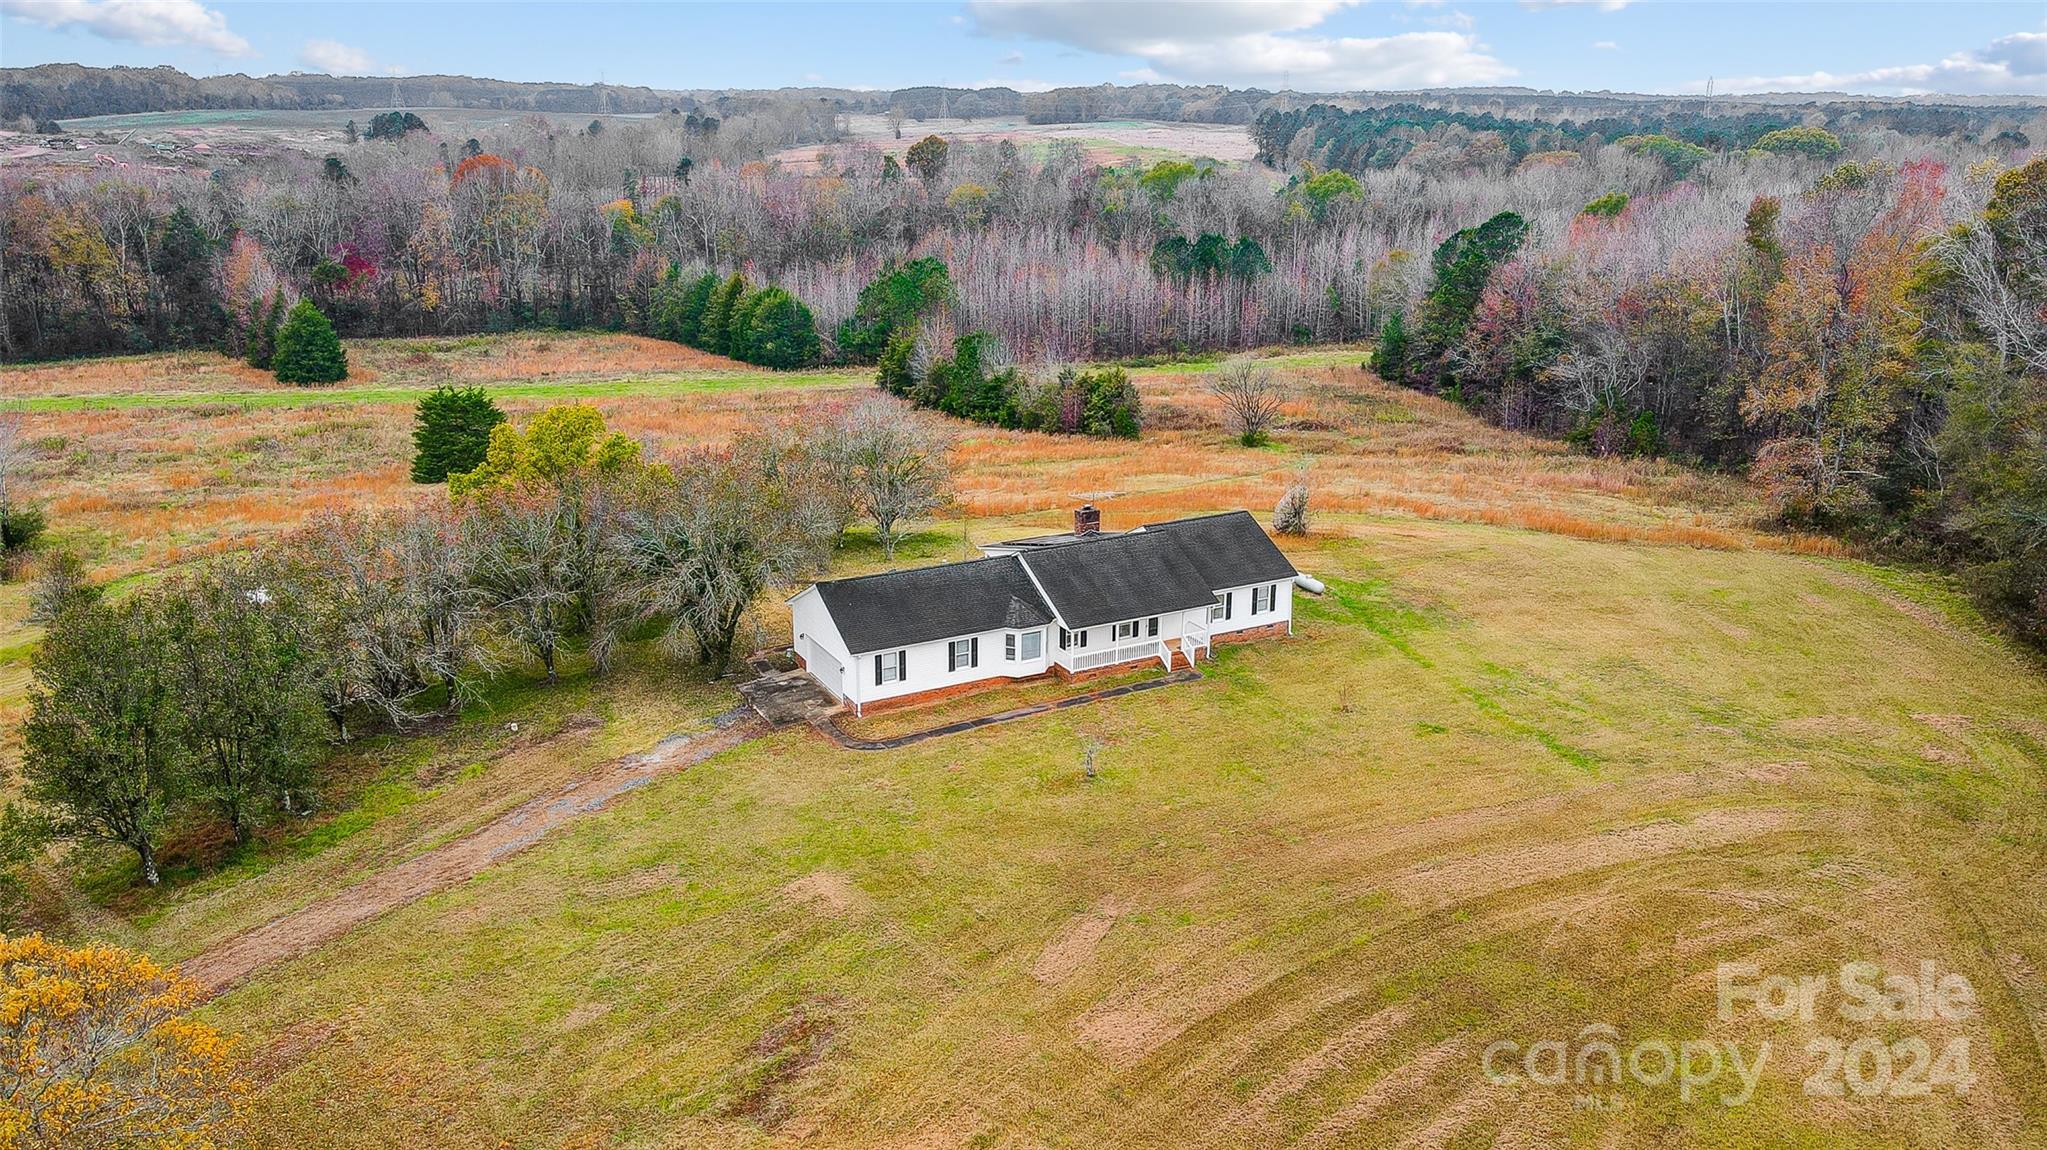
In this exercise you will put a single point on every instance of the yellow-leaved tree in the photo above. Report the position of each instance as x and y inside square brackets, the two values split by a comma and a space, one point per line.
[96, 1051]
[560, 447]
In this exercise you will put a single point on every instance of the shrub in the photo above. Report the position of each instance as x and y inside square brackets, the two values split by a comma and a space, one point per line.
[308, 351]
[20, 526]
[61, 581]
[1290, 517]
[1111, 407]
[451, 432]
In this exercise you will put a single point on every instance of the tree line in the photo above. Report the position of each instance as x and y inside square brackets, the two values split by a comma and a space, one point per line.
[1874, 357]
[539, 223]
[214, 698]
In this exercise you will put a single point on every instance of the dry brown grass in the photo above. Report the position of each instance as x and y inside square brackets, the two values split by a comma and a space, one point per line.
[423, 361]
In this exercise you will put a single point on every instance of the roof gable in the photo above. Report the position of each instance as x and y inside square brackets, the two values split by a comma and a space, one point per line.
[925, 604]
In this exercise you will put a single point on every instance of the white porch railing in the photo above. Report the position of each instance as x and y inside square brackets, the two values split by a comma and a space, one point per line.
[1127, 653]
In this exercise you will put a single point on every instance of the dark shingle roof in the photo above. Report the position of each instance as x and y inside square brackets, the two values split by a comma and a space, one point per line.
[1119, 577]
[898, 608]
[1040, 542]
[1228, 549]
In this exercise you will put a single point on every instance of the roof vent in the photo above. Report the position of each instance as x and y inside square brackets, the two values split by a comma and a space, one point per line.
[1087, 520]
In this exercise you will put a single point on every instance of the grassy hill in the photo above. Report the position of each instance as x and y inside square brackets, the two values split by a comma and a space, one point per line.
[1562, 736]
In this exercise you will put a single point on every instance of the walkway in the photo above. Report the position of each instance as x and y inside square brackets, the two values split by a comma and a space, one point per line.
[829, 724]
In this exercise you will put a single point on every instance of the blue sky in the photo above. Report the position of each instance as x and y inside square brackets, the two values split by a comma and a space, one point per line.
[1311, 45]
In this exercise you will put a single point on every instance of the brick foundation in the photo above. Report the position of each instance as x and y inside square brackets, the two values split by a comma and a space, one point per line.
[1268, 631]
[949, 691]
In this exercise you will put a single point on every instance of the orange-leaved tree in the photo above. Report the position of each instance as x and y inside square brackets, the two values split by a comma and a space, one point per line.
[96, 1051]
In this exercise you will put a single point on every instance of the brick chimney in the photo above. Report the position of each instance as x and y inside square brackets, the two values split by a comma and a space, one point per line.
[1087, 520]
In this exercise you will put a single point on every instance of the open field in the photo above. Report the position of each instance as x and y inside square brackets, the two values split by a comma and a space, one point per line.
[1502, 785]
[1564, 734]
[224, 135]
[1106, 142]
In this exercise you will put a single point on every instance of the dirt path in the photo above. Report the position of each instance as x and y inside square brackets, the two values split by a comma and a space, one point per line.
[311, 926]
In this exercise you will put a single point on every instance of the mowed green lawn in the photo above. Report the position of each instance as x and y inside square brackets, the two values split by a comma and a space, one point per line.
[1502, 785]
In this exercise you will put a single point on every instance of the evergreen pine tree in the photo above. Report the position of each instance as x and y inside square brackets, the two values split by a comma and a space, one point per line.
[782, 333]
[718, 314]
[739, 326]
[451, 431]
[1389, 357]
[263, 324]
[897, 374]
[689, 317]
[308, 351]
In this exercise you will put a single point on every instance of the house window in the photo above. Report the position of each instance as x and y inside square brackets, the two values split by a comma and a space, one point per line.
[1009, 648]
[1264, 599]
[1083, 639]
[1033, 644]
[963, 653]
[890, 666]
[1151, 627]
[1126, 631]
[1223, 609]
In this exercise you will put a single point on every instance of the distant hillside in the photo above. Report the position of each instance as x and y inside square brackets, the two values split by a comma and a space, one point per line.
[70, 91]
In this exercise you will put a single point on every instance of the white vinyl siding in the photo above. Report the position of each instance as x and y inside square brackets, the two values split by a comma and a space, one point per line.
[1259, 605]
[962, 654]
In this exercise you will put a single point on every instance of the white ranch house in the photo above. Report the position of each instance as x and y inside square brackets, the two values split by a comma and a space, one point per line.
[1064, 605]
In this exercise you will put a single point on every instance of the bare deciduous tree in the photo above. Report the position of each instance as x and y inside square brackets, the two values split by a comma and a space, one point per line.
[702, 545]
[1252, 396]
[895, 462]
[526, 567]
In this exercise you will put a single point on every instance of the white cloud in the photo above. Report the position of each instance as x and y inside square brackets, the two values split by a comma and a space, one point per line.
[1131, 27]
[1246, 42]
[2011, 65]
[1606, 46]
[138, 21]
[1602, 5]
[338, 59]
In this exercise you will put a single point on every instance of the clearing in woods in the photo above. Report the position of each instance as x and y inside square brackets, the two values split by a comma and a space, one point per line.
[1562, 735]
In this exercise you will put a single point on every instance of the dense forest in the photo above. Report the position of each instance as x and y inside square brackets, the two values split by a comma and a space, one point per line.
[1856, 316]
